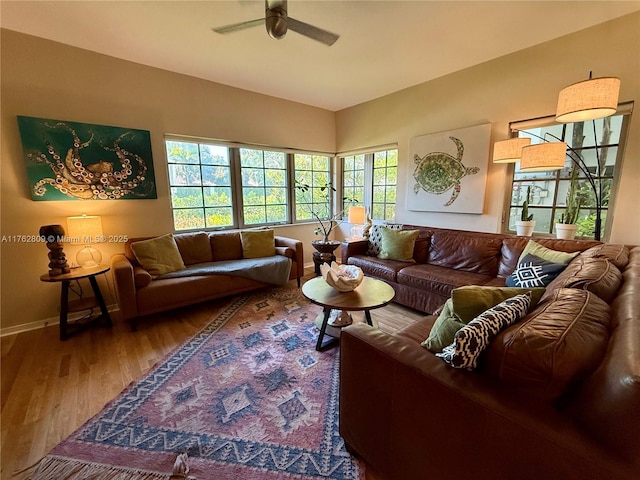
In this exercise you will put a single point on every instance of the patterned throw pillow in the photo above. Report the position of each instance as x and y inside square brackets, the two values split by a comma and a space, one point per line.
[534, 271]
[475, 337]
[375, 238]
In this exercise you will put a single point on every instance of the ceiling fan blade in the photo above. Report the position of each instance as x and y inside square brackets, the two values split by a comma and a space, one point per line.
[312, 32]
[239, 26]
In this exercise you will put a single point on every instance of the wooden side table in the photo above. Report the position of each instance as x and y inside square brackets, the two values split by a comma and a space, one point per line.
[370, 294]
[68, 329]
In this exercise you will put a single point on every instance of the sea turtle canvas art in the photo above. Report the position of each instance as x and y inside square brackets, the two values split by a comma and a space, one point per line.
[449, 171]
[439, 172]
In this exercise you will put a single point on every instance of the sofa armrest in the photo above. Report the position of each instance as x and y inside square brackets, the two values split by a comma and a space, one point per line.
[349, 249]
[293, 249]
[125, 287]
[406, 412]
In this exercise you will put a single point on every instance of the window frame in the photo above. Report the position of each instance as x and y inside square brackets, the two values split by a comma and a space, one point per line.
[624, 111]
[369, 179]
[236, 180]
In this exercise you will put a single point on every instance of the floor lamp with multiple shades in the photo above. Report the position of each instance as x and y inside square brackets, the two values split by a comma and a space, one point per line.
[587, 100]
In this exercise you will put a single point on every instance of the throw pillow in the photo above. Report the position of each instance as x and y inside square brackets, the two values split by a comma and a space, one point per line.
[474, 338]
[398, 244]
[444, 329]
[534, 271]
[158, 255]
[471, 300]
[554, 256]
[375, 238]
[258, 243]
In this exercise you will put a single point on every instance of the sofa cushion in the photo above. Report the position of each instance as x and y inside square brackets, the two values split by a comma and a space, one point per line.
[475, 337]
[376, 267]
[439, 280]
[477, 252]
[226, 246]
[533, 271]
[258, 243]
[545, 253]
[194, 247]
[470, 301]
[558, 344]
[444, 329]
[616, 254]
[375, 238]
[158, 255]
[397, 244]
[595, 274]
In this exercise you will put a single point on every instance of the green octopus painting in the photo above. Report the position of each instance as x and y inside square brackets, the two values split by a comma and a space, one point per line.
[77, 161]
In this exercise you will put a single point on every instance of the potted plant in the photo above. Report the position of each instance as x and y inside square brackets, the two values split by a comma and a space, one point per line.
[524, 227]
[567, 224]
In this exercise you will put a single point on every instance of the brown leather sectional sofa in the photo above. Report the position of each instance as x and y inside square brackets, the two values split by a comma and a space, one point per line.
[139, 294]
[556, 395]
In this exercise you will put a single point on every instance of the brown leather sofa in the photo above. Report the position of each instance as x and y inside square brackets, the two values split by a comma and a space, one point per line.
[556, 395]
[138, 294]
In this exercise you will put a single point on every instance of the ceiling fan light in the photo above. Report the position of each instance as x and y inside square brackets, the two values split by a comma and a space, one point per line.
[588, 100]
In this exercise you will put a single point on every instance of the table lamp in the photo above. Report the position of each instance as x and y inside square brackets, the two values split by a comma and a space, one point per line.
[85, 230]
[356, 217]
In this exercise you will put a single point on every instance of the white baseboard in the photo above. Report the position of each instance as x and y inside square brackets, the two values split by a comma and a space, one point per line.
[26, 327]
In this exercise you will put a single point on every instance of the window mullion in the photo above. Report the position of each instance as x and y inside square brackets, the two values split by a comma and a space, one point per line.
[236, 184]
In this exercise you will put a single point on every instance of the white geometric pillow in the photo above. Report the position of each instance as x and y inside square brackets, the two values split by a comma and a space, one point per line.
[375, 237]
[474, 338]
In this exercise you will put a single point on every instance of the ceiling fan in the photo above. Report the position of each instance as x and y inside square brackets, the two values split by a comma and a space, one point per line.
[278, 22]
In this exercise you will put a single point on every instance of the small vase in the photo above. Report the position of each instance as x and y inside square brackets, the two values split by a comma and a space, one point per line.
[525, 229]
[566, 231]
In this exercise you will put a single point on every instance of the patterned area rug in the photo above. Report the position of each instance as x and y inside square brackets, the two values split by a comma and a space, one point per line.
[246, 398]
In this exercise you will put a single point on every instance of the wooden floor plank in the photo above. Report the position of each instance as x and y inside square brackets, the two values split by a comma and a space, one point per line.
[50, 388]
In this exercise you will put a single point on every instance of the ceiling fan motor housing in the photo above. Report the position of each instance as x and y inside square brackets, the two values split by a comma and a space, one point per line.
[276, 18]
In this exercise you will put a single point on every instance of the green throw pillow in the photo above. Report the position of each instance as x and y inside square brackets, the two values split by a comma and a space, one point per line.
[158, 255]
[467, 303]
[470, 301]
[546, 253]
[258, 243]
[398, 244]
[444, 329]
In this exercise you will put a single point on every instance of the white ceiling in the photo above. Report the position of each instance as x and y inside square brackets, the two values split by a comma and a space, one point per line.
[384, 46]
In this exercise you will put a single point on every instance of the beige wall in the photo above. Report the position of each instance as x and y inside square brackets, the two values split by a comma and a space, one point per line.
[45, 79]
[515, 87]
[50, 80]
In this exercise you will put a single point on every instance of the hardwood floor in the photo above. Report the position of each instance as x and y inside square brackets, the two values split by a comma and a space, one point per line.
[50, 388]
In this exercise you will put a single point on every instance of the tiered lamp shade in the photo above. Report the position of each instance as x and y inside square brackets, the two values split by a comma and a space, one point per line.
[543, 156]
[510, 150]
[588, 100]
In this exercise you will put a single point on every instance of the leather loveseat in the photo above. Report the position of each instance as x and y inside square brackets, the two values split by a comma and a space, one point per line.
[139, 293]
[555, 396]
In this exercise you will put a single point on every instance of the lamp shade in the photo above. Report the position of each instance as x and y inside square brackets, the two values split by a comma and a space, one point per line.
[510, 150]
[588, 100]
[543, 156]
[84, 230]
[357, 215]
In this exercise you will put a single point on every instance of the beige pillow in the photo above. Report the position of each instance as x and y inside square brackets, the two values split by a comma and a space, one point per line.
[397, 244]
[258, 243]
[546, 253]
[158, 255]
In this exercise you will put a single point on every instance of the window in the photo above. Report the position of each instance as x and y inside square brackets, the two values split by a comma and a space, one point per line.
[199, 185]
[264, 186]
[549, 188]
[222, 186]
[313, 192]
[371, 179]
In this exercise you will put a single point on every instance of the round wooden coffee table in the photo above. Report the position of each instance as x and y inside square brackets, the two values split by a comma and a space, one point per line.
[370, 294]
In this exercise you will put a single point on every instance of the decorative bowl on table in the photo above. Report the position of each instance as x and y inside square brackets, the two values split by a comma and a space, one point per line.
[344, 278]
